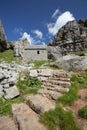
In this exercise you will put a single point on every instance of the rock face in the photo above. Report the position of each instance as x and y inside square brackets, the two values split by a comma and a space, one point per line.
[72, 63]
[54, 52]
[72, 37]
[3, 39]
[19, 47]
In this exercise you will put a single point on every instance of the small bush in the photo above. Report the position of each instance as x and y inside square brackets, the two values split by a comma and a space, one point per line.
[28, 85]
[83, 112]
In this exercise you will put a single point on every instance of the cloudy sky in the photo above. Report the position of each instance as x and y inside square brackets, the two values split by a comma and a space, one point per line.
[38, 20]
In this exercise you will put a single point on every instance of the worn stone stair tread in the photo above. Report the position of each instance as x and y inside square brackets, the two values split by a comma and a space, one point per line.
[57, 82]
[61, 79]
[26, 118]
[60, 73]
[40, 103]
[6, 123]
[57, 88]
[50, 94]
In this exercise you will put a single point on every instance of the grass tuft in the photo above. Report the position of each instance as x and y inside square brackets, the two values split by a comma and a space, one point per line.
[28, 85]
[83, 112]
[59, 117]
[5, 105]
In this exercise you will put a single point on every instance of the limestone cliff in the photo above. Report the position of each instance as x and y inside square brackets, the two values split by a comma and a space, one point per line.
[3, 38]
[72, 37]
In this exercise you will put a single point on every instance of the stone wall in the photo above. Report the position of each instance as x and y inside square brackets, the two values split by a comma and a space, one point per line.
[72, 37]
[35, 53]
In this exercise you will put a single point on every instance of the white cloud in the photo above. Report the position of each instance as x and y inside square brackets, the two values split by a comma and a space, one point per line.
[61, 21]
[38, 33]
[28, 37]
[32, 40]
[55, 13]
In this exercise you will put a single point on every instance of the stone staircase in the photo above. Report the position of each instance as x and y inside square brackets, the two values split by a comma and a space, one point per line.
[26, 115]
[56, 85]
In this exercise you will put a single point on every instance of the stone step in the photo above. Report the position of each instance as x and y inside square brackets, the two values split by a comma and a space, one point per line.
[40, 103]
[61, 73]
[61, 79]
[26, 118]
[6, 123]
[50, 94]
[57, 88]
[57, 82]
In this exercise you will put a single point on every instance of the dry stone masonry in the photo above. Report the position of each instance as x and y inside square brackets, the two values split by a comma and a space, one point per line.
[8, 78]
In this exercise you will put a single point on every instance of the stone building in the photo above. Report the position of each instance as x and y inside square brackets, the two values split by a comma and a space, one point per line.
[28, 52]
[35, 52]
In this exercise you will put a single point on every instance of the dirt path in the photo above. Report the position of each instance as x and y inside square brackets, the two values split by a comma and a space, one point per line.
[81, 102]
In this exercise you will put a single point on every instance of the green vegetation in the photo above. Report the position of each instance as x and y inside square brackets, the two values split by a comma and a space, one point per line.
[8, 56]
[38, 63]
[5, 105]
[83, 112]
[77, 82]
[28, 85]
[81, 52]
[59, 117]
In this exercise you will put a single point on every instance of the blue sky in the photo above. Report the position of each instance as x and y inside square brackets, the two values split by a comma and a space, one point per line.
[38, 20]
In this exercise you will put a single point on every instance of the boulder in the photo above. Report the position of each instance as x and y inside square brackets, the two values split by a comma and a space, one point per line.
[33, 73]
[11, 92]
[75, 63]
[40, 103]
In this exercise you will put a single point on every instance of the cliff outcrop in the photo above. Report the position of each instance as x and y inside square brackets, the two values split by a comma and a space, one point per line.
[72, 37]
[3, 38]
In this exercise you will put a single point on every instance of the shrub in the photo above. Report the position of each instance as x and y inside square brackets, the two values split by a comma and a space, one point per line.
[28, 85]
[83, 112]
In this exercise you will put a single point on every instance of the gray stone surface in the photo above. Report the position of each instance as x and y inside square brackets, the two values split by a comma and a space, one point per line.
[54, 52]
[26, 118]
[3, 38]
[11, 92]
[45, 72]
[8, 78]
[40, 103]
[6, 123]
[75, 63]
[71, 37]
[33, 73]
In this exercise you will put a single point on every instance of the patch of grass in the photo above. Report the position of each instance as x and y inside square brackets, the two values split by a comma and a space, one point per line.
[28, 85]
[5, 105]
[78, 81]
[81, 52]
[38, 63]
[59, 117]
[8, 56]
[83, 112]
